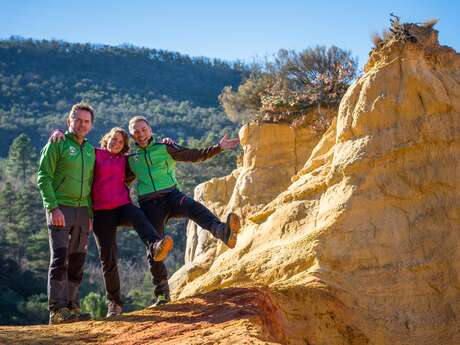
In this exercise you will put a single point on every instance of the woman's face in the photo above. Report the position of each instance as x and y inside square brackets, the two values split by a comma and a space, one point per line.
[115, 143]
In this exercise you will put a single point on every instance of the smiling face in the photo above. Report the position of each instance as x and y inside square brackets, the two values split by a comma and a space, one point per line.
[115, 143]
[141, 133]
[80, 123]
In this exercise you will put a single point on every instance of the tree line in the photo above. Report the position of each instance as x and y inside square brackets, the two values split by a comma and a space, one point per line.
[40, 80]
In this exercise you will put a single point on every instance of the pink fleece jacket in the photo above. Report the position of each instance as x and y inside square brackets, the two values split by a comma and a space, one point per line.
[109, 189]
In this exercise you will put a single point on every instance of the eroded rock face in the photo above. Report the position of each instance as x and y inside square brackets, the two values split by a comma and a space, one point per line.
[201, 247]
[215, 194]
[273, 153]
[364, 246]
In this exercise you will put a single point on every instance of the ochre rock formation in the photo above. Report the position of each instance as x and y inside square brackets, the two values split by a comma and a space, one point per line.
[201, 247]
[272, 154]
[364, 246]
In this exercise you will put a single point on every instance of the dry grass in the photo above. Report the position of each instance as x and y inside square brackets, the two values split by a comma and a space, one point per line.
[430, 23]
[376, 39]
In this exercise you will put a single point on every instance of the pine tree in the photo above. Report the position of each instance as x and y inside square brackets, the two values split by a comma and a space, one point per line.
[21, 217]
[22, 159]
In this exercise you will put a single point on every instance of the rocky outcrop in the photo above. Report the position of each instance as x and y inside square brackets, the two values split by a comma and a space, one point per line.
[201, 247]
[272, 154]
[364, 246]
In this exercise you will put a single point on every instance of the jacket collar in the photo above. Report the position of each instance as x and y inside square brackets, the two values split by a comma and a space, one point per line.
[150, 144]
[71, 136]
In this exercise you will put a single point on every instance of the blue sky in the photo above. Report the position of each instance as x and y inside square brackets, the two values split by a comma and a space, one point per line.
[228, 30]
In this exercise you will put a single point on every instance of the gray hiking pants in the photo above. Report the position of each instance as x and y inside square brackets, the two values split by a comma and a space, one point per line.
[68, 247]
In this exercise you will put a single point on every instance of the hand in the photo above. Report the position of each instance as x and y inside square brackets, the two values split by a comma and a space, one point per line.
[56, 136]
[226, 143]
[57, 218]
[90, 224]
[168, 141]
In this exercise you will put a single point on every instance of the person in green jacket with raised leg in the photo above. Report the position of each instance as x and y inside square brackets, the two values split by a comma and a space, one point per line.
[154, 166]
[64, 179]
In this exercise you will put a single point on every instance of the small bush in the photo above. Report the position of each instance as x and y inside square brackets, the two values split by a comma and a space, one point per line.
[94, 303]
[290, 86]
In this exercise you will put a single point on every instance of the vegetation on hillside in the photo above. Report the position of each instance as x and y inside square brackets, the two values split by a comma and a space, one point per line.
[40, 80]
[289, 87]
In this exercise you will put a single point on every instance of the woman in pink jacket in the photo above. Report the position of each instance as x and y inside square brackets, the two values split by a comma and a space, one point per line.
[112, 207]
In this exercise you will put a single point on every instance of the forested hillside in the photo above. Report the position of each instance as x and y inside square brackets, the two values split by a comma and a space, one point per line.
[39, 82]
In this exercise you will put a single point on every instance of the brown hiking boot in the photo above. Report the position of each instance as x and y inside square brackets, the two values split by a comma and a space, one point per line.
[60, 316]
[160, 249]
[232, 230]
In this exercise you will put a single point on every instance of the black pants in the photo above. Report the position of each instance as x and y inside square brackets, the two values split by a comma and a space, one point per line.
[105, 233]
[176, 205]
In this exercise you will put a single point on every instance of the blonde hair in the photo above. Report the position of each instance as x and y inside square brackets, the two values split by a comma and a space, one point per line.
[105, 139]
[135, 120]
[82, 106]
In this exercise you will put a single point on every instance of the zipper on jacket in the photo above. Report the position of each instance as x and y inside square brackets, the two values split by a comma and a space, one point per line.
[148, 167]
[167, 170]
[82, 168]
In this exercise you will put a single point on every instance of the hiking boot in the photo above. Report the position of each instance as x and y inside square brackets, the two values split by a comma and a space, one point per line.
[113, 309]
[231, 230]
[160, 249]
[161, 299]
[79, 315]
[62, 315]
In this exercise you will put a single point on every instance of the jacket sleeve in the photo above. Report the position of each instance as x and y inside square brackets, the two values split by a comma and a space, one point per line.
[184, 154]
[90, 199]
[129, 175]
[47, 166]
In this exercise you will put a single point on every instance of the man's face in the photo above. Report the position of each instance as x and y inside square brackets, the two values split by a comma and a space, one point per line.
[141, 133]
[80, 123]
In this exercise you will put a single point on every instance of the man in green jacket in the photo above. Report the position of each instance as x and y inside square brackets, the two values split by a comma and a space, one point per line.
[154, 166]
[65, 177]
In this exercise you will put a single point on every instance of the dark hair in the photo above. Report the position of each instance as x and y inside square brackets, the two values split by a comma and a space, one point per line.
[82, 106]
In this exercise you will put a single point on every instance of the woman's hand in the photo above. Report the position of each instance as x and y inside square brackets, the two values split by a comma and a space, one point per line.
[56, 136]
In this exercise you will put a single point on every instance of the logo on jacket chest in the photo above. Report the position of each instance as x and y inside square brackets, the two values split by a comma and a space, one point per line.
[73, 151]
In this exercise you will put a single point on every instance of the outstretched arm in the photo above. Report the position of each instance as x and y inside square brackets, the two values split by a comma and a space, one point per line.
[183, 154]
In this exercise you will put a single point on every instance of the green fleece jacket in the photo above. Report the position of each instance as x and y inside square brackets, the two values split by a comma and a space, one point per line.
[155, 165]
[65, 173]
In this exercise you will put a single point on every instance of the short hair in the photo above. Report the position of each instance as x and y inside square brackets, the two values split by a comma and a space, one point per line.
[106, 137]
[135, 120]
[82, 106]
